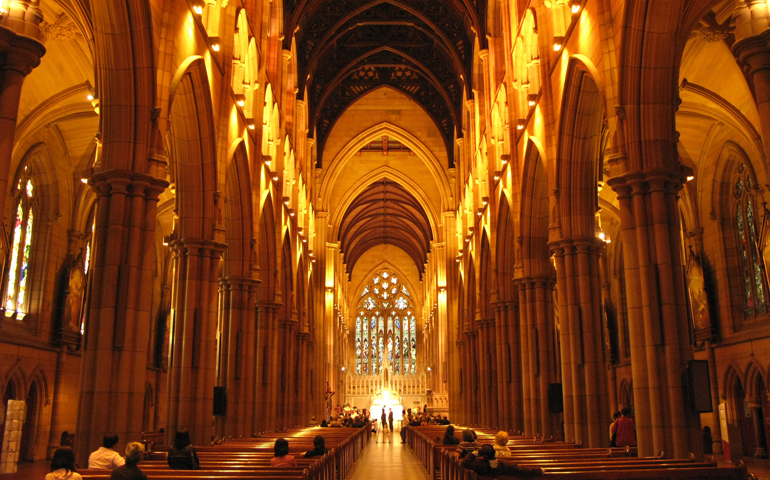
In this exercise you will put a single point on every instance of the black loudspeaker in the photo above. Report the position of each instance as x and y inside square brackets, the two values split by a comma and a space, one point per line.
[555, 398]
[220, 401]
[700, 386]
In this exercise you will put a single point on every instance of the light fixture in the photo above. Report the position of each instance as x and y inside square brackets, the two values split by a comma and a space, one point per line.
[90, 97]
[532, 99]
[215, 47]
[286, 200]
[429, 369]
[343, 369]
[520, 124]
[291, 212]
[690, 177]
[275, 178]
[84, 180]
[504, 158]
[198, 9]
[498, 173]
[558, 42]
[251, 126]
[484, 200]
[575, 5]
[240, 99]
[480, 212]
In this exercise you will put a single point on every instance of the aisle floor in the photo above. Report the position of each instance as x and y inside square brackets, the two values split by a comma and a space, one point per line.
[387, 460]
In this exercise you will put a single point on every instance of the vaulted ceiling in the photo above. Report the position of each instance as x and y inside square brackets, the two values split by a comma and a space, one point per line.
[346, 48]
[385, 213]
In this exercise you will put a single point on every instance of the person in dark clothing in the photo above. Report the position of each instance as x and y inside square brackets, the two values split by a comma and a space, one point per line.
[319, 447]
[130, 471]
[449, 436]
[443, 421]
[384, 420]
[324, 424]
[182, 455]
[468, 444]
[485, 464]
[390, 419]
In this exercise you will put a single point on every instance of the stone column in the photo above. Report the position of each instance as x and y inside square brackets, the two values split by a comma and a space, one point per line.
[193, 355]
[19, 55]
[656, 292]
[526, 359]
[515, 399]
[583, 374]
[716, 430]
[752, 49]
[260, 412]
[503, 366]
[237, 354]
[117, 335]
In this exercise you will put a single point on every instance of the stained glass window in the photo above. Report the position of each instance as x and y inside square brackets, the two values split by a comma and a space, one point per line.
[17, 275]
[385, 327]
[752, 283]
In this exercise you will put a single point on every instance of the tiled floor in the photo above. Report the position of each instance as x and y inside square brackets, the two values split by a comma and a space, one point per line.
[388, 460]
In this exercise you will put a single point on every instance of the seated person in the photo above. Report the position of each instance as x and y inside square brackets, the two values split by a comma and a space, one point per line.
[415, 422]
[63, 465]
[449, 436]
[106, 458]
[130, 471]
[313, 422]
[501, 442]
[468, 444]
[324, 424]
[182, 455]
[319, 447]
[282, 457]
[444, 421]
[485, 464]
[359, 422]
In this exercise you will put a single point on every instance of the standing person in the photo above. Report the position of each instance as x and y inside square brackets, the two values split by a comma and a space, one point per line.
[390, 419]
[106, 458]
[182, 455]
[63, 465]
[282, 457]
[625, 431]
[404, 424]
[130, 471]
[384, 421]
[615, 417]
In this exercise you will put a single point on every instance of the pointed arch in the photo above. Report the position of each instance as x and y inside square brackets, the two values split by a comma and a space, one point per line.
[238, 213]
[192, 151]
[579, 148]
[534, 214]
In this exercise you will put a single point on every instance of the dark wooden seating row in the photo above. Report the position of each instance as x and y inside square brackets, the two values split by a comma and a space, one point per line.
[247, 458]
[566, 460]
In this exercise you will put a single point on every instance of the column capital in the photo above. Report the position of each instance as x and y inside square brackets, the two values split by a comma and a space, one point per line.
[22, 53]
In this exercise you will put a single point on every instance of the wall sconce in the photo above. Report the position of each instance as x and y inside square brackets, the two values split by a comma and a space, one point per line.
[291, 212]
[498, 173]
[532, 99]
[267, 159]
[240, 99]
[286, 200]
[214, 43]
[504, 158]
[520, 124]
[575, 6]
[275, 178]
[690, 177]
[484, 200]
[252, 126]
[198, 9]
[558, 42]
[479, 211]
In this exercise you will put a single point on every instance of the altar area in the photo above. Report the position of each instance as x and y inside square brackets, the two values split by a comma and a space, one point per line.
[385, 391]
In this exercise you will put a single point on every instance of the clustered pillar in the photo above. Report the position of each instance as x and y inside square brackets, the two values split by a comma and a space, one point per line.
[193, 349]
[582, 358]
[660, 346]
[114, 357]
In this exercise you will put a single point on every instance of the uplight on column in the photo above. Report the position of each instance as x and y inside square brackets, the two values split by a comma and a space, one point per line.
[198, 9]
[558, 43]
[575, 6]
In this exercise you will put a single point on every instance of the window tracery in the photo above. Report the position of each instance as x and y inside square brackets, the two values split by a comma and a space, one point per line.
[752, 283]
[17, 273]
[386, 325]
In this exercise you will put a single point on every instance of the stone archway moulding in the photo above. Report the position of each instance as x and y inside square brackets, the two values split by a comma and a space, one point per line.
[354, 145]
[374, 176]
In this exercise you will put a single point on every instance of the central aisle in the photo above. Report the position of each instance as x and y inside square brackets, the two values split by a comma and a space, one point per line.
[387, 460]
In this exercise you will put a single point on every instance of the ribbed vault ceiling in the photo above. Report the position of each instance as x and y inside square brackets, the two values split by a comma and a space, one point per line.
[385, 213]
[347, 48]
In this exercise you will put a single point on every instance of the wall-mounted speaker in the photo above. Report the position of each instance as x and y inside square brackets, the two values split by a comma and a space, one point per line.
[220, 401]
[555, 398]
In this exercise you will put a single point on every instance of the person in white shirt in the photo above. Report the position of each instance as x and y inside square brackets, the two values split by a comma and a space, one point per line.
[106, 458]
